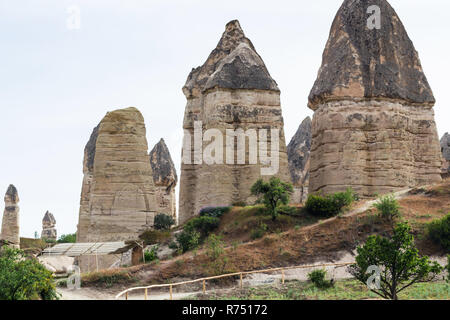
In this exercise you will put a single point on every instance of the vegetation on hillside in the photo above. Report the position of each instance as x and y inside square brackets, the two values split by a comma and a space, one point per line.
[439, 232]
[23, 277]
[397, 260]
[329, 205]
[272, 194]
[68, 238]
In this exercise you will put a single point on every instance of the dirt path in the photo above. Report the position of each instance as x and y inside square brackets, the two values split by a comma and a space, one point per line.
[98, 294]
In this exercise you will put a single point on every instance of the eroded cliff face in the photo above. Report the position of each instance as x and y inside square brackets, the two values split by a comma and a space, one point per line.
[445, 148]
[373, 127]
[232, 90]
[298, 152]
[165, 179]
[10, 222]
[118, 193]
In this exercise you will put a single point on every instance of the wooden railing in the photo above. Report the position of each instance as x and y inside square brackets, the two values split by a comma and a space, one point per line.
[240, 274]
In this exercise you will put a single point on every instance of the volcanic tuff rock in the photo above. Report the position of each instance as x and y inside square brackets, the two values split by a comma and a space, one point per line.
[298, 152]
[165, 178]
[445, 148]
[373, 127]
[10, 222]
[48, 227]
[118, 193]
[231, 90]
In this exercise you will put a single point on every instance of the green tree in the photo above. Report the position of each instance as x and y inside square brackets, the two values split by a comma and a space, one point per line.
[273, 194]
[163, 222]
[215, 250]
[388, 208]
[398, 261]
[24, 278]
[68, 238]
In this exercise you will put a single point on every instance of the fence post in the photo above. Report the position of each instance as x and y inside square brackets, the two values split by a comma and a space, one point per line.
[204, 286]
[126, 295]
[241, 285]
[171, 297]
[282, 276]
[146, 293]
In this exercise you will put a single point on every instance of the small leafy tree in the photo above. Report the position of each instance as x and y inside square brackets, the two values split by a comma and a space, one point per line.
[163, 222]
[216, 253]
[388, 208]
[273, 194]
[24, 278]
[398, 261]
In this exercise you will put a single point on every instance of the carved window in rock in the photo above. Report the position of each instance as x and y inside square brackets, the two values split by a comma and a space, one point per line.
[130, 199]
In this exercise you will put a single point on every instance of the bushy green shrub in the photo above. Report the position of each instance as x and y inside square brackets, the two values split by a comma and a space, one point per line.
[68, 238]
[215, 212]
[439, 231]
[259, 231]
[215, 251]
[204, 225]
[163, 222]
[329, 205]
[317, 277]
[388, 207]
[24, 278]
[188, 240]
[151, 255]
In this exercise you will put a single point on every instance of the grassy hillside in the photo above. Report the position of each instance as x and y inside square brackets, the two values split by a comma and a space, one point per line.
[297, 238]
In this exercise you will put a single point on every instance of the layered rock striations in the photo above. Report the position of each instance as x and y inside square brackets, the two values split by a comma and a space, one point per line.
[373, 127]
[445, 149]
[118, 193]
[298, 152]
[232, 90]
[49, 227]
[10, 222]
[165, 179]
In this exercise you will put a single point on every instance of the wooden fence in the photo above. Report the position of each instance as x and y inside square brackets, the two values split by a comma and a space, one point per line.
[240, 274]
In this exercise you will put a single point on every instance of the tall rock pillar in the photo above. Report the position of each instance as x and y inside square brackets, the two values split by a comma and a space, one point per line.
[231, 101]
[118, 193]
[165, 179]
[10, 223]
[373, 127]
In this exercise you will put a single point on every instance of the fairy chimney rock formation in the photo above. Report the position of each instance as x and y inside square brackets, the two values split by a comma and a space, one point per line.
[48, 227]
[298, 152]
[445, 148]
[230, 92]
[10, 222]
[373, 127]
[118, 192]
[165, 179]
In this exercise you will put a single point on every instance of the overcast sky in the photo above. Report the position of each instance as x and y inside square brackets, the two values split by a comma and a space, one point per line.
[57, 83]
